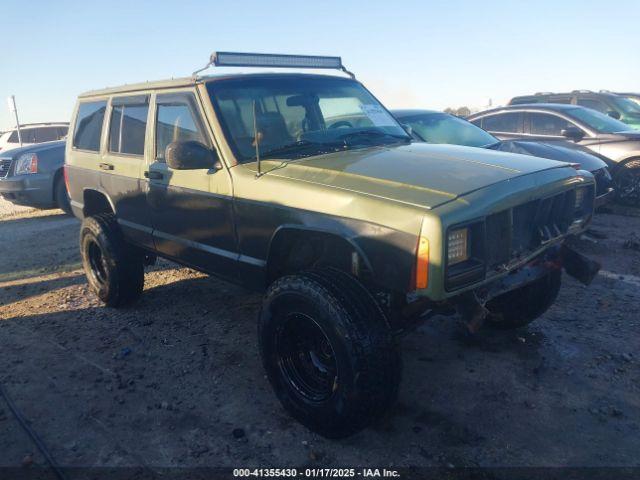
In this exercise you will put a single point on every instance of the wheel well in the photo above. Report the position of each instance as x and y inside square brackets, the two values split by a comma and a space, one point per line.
[294, 250]
[95, 202]
[56, 177]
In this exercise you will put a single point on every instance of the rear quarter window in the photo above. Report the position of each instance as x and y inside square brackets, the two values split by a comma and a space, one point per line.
[88, 128]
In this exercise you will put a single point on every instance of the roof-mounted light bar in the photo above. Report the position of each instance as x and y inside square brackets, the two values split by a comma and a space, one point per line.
[274, 60]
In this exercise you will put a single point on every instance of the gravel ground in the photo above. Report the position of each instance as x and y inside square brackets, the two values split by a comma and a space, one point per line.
[8, 208]
[176, 380]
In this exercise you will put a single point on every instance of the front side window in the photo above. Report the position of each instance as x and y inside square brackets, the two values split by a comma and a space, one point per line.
[176, 121]
[444, 128]
[127, 128]
[547, 124]
[599, 122]
[507, 122]
[88, 127]
[299, 116]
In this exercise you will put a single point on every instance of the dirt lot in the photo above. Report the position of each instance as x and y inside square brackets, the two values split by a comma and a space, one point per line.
[176, 380]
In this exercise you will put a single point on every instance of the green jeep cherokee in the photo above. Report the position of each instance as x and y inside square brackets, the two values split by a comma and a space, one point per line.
[305, 187]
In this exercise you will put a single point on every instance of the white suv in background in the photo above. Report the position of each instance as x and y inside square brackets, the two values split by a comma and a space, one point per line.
[33, 133]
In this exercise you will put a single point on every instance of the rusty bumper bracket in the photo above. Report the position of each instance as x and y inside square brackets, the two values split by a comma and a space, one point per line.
[471, 305]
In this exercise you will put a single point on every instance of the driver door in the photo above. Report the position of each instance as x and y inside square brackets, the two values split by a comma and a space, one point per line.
[191, 210]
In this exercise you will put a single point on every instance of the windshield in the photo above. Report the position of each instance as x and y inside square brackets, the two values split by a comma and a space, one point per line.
[300, 116]
[444, 128]
[626, 105]
[633, 98]
[599, 122]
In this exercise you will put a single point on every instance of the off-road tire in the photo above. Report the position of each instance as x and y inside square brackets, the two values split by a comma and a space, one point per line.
[61, 196]
[367, 359]
[522, 306]
[114, 269]
[626, 180]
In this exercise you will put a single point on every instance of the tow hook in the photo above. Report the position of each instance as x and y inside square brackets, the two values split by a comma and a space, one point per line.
[579, 266]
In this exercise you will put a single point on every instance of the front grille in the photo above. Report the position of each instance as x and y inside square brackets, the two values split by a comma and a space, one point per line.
[5, 165]
[518, 231]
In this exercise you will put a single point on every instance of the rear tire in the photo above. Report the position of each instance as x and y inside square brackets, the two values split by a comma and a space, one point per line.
[114, 269]
[520, 307]
[61, 196]
[328, 351]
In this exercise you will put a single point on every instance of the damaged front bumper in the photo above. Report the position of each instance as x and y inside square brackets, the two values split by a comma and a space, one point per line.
[471, 304]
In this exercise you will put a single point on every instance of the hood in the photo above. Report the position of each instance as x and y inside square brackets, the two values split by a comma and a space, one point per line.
[561, 151]
[35, 148]
[421, 174]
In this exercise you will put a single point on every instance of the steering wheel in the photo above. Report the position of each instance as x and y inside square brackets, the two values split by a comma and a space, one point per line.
[341, 124]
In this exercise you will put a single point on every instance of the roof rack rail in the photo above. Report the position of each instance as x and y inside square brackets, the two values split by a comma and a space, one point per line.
[274, 60]
[581, 91]
[605, 91]
[543, 93]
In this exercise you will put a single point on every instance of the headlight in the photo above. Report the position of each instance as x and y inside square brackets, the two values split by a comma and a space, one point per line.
[27, 163]
[458, 246]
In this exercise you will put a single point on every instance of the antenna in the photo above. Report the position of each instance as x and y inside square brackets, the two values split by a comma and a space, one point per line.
[256, 139]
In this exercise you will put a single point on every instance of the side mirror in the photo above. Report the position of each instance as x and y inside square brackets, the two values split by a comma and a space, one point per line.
[573, 133]
[614, 114]
[190, 155]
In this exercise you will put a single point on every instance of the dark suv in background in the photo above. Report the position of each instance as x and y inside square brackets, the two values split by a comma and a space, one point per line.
[617, 106]
[610, 138]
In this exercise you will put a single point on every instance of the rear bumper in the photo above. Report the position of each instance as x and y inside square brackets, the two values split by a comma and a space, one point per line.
[34, 190]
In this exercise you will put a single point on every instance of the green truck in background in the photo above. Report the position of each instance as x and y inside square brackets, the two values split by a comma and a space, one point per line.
[305, 187]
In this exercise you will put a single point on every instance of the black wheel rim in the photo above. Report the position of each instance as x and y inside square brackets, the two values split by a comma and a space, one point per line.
[306, 359]
[628, 185]
[96, 262]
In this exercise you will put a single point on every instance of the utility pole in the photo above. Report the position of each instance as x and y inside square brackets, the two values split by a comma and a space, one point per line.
[12, 109]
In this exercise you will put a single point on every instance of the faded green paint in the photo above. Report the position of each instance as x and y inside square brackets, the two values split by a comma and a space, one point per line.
[406, 188]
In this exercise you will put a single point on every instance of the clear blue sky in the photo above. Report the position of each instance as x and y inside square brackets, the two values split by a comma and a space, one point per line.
[418, 53]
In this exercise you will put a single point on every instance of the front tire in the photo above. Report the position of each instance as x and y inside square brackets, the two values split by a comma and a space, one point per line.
[627, 183]
[114, 269]
[522, 306]
[328, 352]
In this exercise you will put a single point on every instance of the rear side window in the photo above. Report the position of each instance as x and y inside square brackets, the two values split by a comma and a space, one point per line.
[176, 120]
[593, 104]
[546, 124]
[46, 134]
[127, 128]
[509, 122]
[89, 125]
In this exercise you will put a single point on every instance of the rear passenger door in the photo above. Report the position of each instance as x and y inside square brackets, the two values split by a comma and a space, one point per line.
[503, 125]
[123, 163]
[191, 210]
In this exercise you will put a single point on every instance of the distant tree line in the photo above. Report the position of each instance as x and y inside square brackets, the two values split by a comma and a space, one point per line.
[458, 112]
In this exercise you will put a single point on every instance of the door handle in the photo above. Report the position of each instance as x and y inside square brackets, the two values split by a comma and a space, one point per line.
[153, 175]
[106, 166]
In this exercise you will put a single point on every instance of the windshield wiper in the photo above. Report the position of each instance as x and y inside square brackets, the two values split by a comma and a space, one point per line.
[296, 146]
[373, 133]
